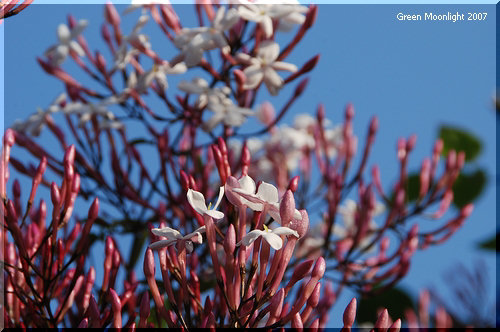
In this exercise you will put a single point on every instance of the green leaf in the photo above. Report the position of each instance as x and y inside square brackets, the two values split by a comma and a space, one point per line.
[489, 244]
[460, 140]
[468, 187]
[396, 300]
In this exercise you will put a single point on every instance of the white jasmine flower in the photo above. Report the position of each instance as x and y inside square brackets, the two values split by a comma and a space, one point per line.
[225, 111]
[123, 54]
[158, 73]
[263, 14]
[58, 53]
[35, 122]
[264, 66]
[86, 111]
[194, 41]
[200, 87]
[197, 202]
[173, 235]
[271, 236]
[266, 196]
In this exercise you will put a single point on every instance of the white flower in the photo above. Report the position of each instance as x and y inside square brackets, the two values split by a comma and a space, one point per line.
[348, 213]
[123, 54]
[197, 202]
[227, 112]
[263, 14]
[194, 41]
[86, 111]
[173, 236]
[58, 53]
[271, 236]
[266, 196]
[200, 87]
[264, 66]
[35, 122]
[158, 73]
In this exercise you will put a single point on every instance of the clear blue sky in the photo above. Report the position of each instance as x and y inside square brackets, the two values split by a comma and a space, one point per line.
[415, 76]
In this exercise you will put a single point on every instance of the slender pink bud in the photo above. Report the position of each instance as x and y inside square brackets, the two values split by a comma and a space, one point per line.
[275, 307]
[383, 321]
[401, 148]
[396, 326]
[311, 16]
[349, 112]
[314, 298]
[184, 181]
[315, 324]
[460, 159]
[287, 208]
[111, 14]
[294, 183]
[144, 310]
[94, 209]
[299, 273]
[69, 155]
[350, 313]
[410, 144]
[84, 324]
[38, 177]
[319, 268]
[300, 226]
[245, 160]
[451, 160]
[297, 322]
[301, 87]
[425, 175]
[240, 78]
[466, 211]
[100, 62]
[373, 126]
[266, 113]
[230, 240]
[116, 307]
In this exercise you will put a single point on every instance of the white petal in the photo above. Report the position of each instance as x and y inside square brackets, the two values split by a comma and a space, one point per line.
[63, 33]
[285, 231]
[215, 214]
[267, 25]
[167, 232]
[189, 246]
[268, 51]
[197, 201]
[271, 78]
[161, 244]
[254, 76]
[77, 48]
[247, 184]
[249, 13]
[279, 65]
[254, 202]
[219, 16]
[194, 237]
[249, 238]
[243, 58]
[275, 214]
[274, 240]
[268, 192]
[78, 29]
[219, 199]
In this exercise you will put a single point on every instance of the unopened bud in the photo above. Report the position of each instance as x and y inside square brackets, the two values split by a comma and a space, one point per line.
[230, 240]
[184, 181]
[319, 269]
[111, 14]
[294, 183]
[300, 226]
[149, 264]
[287, 207]
[297, 321]
[410, 144]
[301, 87]
[314, 298]
[383, 321]
[350, 313]
[94, 209]
[55, 195]
[266, 113]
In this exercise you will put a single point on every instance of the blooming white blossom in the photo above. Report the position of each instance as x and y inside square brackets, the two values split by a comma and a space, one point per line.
[200, 87]
[158, 73]
[173, 235]
[197, 202]
[58, 53]
[265, 197]
[124, 54]
[271, 236]
[194, 41]
[348, 213]
[86, 111]
[263, 14]
[264, 66]
[225, 111]
[35, 122]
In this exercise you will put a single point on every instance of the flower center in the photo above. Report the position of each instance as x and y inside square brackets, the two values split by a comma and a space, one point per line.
[266, 229]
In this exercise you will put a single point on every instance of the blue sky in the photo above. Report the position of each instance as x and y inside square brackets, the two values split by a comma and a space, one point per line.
[415, 76]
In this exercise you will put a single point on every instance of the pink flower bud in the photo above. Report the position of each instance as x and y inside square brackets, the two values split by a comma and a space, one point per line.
[111, 14]
[349, 112]
[184, 180]
[438, 147]
[383, 321]
[294, 183]
[69, 155]
[373, 126]
[396, 326]
[466, 211]
[350, 313]
[101, 62]
[299, 273]
[300, 226]
[315, 324]
[16, 189]
[287, 208]
[116, 306]
[84, 324]
[275, 307]
[144, 310]
[314, 298]
[451, 160]
[230, 240]
[239, 77]
[297, 322]
[9, 137]
[309, 65]
[94, 209]
[266, 113]
[401, 148]
[410, 144]
[301, 87]
[319, 269]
